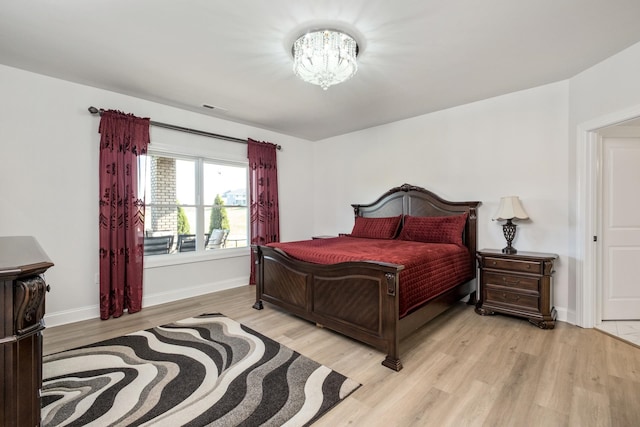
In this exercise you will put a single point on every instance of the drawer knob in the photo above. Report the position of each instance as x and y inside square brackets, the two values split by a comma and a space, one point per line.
[512, 282]
[493, 263]
[528, 266]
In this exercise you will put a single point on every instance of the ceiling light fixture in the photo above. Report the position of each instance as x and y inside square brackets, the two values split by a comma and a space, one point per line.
[325, 57]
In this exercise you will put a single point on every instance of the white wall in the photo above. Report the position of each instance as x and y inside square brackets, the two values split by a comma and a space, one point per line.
[49, 186]
[606, 88]
[603, 94]
[509, 145]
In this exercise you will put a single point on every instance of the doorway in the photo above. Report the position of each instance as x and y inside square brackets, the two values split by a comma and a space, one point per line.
[620, 222]
[589, 268]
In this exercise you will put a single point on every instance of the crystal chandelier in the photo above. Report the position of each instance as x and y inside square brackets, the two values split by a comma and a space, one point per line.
[325, 57]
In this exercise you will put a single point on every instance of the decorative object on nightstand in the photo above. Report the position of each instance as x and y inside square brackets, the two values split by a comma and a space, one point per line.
[517, 284]
[510, 208]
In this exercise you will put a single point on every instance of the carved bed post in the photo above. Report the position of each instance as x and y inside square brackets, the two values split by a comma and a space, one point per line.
[390, 323]
[472, 243]
[259, 277]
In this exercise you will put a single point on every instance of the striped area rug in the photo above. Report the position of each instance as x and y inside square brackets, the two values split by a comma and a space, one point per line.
[201, 371]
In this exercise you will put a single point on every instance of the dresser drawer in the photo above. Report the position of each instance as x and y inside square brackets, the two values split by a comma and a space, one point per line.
[514, 265]
[524, 283]
[511, 299]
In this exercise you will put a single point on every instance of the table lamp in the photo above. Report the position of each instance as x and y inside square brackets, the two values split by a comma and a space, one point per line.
[510, 208]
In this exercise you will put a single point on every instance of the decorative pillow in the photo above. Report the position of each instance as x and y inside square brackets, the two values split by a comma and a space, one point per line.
[376, 228]
[434, 229]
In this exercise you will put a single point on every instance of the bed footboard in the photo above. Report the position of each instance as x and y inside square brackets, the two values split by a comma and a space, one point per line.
[357, 299]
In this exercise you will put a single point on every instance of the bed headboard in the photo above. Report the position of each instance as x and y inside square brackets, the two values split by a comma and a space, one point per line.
[417, 201]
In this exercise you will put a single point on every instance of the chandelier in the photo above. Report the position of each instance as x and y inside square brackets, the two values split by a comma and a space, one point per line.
[325, 57]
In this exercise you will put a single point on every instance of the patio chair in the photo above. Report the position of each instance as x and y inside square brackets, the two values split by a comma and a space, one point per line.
[186, 242]
[218, 238]
[158, 245]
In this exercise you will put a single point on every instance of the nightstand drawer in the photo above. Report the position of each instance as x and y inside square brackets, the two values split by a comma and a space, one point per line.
[512, 281]
[511, 299]
[524, 266]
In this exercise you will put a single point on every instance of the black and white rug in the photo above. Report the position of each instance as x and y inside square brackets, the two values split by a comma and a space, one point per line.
[206, 370]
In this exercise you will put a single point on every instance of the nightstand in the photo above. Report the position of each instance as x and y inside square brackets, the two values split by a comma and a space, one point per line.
[517, 284]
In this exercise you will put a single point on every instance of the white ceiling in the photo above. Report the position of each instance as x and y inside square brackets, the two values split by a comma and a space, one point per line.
[416, 56]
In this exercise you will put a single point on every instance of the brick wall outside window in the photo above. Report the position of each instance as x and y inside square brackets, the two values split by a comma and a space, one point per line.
[163, 191]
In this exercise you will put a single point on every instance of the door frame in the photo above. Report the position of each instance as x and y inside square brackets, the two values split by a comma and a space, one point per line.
[588, 169]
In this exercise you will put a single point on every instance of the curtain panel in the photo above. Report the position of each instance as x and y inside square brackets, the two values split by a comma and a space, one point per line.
[263, 197]
[123, 137]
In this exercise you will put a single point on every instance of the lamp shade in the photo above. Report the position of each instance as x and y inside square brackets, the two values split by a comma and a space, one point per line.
[510, 208]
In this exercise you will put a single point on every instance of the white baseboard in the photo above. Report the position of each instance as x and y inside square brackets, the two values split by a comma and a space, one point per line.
[565, 315]
[183, 293]
[93, 312]
[70, 316]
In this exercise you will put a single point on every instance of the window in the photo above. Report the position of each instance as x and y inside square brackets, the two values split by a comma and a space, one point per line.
[193, 204]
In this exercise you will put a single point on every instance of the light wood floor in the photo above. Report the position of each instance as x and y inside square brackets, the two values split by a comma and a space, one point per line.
[459, 370]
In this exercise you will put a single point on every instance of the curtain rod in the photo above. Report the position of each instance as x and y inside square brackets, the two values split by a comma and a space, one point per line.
[94, 110]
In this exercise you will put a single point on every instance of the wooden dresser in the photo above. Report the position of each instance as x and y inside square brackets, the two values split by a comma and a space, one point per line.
[22, 297]
[518, 284]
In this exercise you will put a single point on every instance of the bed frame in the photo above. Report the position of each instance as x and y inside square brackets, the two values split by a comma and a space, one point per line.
[358, 299]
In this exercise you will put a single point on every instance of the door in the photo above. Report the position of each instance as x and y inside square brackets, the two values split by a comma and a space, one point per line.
[621, 228]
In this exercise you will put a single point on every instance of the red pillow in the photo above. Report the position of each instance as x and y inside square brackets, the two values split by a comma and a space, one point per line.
[376, 228]
[434, 229]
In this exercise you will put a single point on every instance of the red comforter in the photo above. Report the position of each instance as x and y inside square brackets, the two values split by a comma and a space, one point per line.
[430, 268]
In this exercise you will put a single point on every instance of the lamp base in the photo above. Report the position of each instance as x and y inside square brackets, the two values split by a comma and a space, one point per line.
[509, 230]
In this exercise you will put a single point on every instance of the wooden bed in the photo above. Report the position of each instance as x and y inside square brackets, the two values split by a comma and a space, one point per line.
[359, 299]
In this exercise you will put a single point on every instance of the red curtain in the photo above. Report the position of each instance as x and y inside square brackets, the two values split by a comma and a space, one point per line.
[263, 197]
[123, 137]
